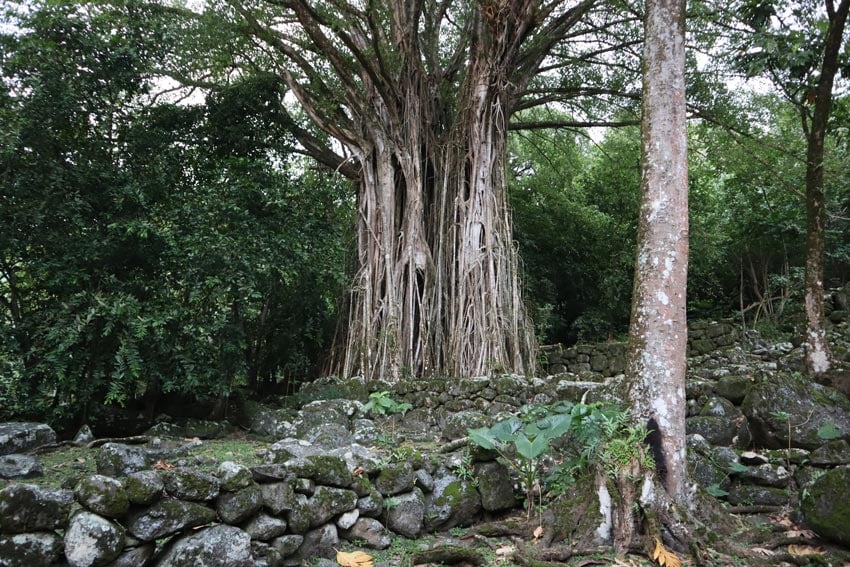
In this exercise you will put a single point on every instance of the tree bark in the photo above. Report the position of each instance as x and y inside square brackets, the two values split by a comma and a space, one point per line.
[818, 357]
[658, 331]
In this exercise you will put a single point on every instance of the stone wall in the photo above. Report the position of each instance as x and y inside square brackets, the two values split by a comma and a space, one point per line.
[609, 359]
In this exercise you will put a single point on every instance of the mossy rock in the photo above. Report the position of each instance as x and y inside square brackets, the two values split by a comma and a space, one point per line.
[826, 505]
[143, 487]
[809, 406]
[29, 550]
[734, 388]
[102, 495]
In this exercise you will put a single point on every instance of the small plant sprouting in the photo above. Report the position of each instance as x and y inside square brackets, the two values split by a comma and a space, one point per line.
[380, 403]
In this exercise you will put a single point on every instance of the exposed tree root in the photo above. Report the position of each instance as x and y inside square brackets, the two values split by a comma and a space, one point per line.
[754, 509]
[448, 555]
[134, 440]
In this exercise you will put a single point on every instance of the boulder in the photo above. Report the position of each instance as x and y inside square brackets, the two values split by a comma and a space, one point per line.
[117, 459]
[218, 546]
[298, 515]
[319, 543]
[28, 508]
[371, 505]
[264, 420]
[315, 416]
[328, 502]
[167, 517]
[84, 436]
[826, 505]
[135, 557]
[264, 527]
[102, 495]
[807, 404]
[833, 453]
[287, 545]
[206, 429]
[457, 424]
[734, 388]
[278, 497]
[20, 466]
[749, 494]
[290, 448]
[191, 484]
[371, 531]
[454, 501]
[495, 486]
[765, 475]
[29, 550]
[395, 478]
[20, 437]
[234, 476]
[348, 519]
[406, 513]
[715, 430]
[233, 507]
[323, 469]
[143, 487]
[92, 541]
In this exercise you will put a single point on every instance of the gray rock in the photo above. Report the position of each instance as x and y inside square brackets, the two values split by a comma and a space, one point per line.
[116, 459]
[234, 507]
[457, 424]
[290, 448]
[406, 513]
[20, 437]
[809, 405]
[330, 436]
[102, 495]
[84, 436]
[191, 484]
[324, 469]
[30, 549]
[319, 543]
[766, 475]
[234, 476]
[167, 517]
[749, 494]
[328, 502]
[298, 516]
[371, 531]
[733, 387]
[715, 430]
[206, 429]
[365, 432]
[454, 502]
[278, 497]
[28, 508]
[395, 478]
[424, 480]
[143, 487]
[92, 541]
[357, 456]
[314, 416]
[135, 557]
[495, 486]
[371, 505]
[348, 519]
[287, 545]
[218, 546]
[20, 466]
[826, 505]
[264, 420]
[264, 527]
[833, 453]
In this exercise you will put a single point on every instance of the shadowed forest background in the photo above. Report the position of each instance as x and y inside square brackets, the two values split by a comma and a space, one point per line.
[163, 239]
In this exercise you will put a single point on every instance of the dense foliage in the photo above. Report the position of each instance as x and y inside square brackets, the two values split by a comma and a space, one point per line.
[150, 247]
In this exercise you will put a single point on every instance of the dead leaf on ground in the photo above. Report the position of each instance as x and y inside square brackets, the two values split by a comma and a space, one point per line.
[763, 551]
[354, 559]
[538, 531]
[804, 550]
[358, 471]
[807, 534]
[505, 550]
[664, 556]
[161, 465]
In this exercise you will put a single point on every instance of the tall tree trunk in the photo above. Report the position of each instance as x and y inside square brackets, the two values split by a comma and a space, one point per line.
[818, 358]
[437, 288]
[658, 331]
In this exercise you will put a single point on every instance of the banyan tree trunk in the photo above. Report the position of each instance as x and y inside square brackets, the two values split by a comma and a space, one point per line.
[437, 289]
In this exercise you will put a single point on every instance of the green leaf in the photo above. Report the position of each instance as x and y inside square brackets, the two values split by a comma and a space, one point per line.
[829, 431]
[738, 467]
[482, 437]
[716, 491]
[529, 449]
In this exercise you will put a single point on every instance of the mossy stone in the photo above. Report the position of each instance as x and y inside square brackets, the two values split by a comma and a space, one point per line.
[143, 487]
[102, 495]
[826, 505]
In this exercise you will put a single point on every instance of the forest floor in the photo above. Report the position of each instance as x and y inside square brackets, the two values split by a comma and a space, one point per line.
[769, 539]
